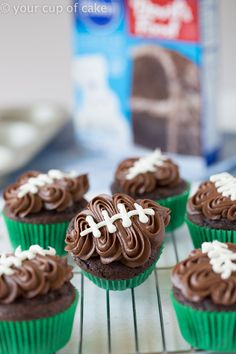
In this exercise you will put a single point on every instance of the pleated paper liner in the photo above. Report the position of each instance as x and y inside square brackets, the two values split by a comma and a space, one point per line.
[214, 331]
[45, 235]
[40, 336]
[117, 285]
[200, 234]
[177, 205]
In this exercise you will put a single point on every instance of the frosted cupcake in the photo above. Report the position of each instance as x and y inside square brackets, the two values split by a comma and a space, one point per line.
[37, 301]
[38, 207]
[211, 211]
[116, 241]
[154, 177]
[204, 297]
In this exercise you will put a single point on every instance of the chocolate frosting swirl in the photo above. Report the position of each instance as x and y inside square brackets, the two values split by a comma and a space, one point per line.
[35, 277]
[208, 202]
[59, 195]
[165, 175]
[197, 281]
[131, 246]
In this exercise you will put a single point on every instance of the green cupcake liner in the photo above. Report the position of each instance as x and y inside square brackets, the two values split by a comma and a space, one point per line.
[177, 205]
[206, 330]
[45, 235]
[200, 234]
[123, 284]
[40, 336]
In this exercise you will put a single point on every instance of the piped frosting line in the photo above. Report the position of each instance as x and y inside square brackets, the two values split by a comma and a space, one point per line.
[221, 258]
[146, 164]
[123, 215]
[8, 263]
[225, 184]
[34, 183]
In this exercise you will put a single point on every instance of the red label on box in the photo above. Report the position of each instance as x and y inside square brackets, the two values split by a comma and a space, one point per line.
[164, 19]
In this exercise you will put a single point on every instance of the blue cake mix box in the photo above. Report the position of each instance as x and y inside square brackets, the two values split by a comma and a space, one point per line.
[148, 69]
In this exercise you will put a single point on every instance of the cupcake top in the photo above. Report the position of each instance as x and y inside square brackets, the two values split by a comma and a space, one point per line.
[117, 228]
[215, 199]
[34, 192]
[208, 274]
[28, 274]
[138, 176]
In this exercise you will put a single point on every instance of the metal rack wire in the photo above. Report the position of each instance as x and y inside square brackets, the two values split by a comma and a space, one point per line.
[133, 305]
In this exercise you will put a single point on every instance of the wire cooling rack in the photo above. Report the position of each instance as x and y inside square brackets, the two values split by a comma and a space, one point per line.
[134, 321]
[139, 320]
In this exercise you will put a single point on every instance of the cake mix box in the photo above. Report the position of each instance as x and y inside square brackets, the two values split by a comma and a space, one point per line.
[148, 67]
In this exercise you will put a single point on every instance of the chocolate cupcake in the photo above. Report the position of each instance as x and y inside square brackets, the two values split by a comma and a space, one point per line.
[204, 297]
[154, 177]
[211, 211]
[37, 301]
[38, 207]
[117, 241]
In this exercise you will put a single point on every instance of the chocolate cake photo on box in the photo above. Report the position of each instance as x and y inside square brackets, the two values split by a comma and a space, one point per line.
[204, 297]
[155, 177]
[165, 100]
[37, 301]
[39, 207]
[211, 211]
[117, 240]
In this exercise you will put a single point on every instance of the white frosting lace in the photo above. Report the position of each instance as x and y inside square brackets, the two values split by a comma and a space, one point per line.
[8, 263]
[123, 215]
[33, 183]
[146, 164]
[221, 258]
[225, 184]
